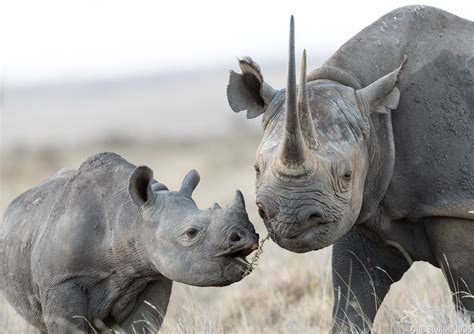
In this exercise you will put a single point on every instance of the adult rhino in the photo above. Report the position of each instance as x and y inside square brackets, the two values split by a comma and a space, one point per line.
[385, 174]
[93, 245]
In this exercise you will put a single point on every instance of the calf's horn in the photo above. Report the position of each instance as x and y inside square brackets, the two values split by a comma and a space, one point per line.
[238, 202]
[215, 206]
[190, 182]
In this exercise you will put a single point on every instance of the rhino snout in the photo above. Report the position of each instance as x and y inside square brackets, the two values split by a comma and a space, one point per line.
[240, 242]
[266, 209]
[309, 216]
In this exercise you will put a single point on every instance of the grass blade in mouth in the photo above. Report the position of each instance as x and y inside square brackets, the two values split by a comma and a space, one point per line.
[253, 262]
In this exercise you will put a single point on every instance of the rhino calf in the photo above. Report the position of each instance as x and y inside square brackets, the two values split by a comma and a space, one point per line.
[90, 246]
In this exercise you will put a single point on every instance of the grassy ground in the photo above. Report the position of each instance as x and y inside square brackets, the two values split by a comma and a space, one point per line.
[287, 293]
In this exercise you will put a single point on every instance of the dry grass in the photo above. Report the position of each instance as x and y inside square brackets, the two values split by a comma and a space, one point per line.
[286, 293]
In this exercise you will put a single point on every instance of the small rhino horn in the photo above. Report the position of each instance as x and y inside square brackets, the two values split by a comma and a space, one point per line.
[239, 202]
[190, 182]
[157, 186]
[306, 120]
[215, 206]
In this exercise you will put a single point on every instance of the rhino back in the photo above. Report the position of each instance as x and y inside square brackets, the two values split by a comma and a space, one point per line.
[421, 33]
[82, 224]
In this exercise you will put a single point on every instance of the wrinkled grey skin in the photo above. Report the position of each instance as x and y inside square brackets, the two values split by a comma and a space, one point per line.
[385, 174]
[97, 242]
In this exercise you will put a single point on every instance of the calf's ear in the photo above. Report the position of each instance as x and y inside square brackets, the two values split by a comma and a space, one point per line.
[140, 185]
[381, 96]
[248, 91]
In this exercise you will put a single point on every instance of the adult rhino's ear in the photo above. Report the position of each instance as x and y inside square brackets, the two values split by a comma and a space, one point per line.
[140, 185]
[248, 91]
[381, 96]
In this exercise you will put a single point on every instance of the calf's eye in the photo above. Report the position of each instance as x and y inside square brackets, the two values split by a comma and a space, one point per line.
[192, 232]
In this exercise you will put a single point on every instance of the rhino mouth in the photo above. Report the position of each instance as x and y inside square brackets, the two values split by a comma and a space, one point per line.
[239, 254]
[298, 233]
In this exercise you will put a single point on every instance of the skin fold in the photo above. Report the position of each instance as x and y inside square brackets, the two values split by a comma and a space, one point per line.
[372, 153]
[93, 246]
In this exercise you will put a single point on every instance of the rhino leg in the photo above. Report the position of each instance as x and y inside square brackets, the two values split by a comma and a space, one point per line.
[147, 319]
[363, 270]
[64, 309]
[451, 242]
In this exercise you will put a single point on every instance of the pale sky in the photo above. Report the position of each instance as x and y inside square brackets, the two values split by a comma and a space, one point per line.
[53, 40]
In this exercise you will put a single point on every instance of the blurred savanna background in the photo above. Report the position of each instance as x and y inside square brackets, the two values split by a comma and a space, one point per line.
[147, 80]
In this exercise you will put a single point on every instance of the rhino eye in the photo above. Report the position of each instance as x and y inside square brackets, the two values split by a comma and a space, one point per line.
[347, 175]
[346, 170]
[192, 232]
[257, 169]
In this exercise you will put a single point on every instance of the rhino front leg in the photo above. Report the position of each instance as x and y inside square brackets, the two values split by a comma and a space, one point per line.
[363, 270]
[64, 309]
[146, 318]
[451, 242]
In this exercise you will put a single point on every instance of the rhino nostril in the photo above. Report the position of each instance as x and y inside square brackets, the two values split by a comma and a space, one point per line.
[234, 236]
[261, 211]
[316, 216]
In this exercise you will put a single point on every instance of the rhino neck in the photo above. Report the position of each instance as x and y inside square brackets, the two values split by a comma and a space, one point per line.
[131, 244]
[381, 149]
[377, 49]
[335, 73]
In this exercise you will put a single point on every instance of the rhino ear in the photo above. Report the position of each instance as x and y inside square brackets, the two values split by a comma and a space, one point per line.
[140, 185]
[248, 91]
[381, 96]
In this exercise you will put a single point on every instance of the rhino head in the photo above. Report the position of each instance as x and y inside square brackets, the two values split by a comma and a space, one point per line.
[312, 163]
[186, 244]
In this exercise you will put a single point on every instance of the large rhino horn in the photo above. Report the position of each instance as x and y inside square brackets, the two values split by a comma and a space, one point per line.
[292, 154]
